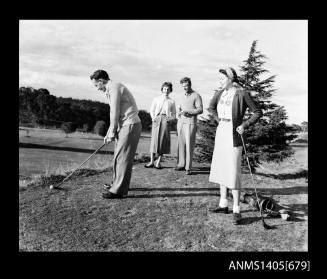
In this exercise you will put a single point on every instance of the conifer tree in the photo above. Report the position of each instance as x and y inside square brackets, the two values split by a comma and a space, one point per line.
[266, 140]
[205, 140]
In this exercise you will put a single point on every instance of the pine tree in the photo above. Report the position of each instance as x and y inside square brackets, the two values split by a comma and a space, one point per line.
[268, 138]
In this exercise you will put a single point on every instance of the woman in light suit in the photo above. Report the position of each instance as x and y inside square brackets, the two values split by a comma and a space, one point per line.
[162, 111]
[230, 103]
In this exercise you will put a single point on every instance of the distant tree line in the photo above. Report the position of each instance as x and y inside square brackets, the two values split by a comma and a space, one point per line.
[37, 107]
[303, 127]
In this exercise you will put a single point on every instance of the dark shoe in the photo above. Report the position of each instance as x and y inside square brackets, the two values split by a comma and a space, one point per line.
[219, 209]
[158, 167]
[179, 168]
[109, 195]
[149, 166]
[188, 172]
[107, 186]
[237, 217]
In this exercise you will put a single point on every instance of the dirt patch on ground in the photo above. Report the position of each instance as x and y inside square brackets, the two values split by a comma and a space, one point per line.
[165, 211]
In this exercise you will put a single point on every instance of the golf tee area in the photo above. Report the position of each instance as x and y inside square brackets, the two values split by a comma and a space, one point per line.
[165, 210]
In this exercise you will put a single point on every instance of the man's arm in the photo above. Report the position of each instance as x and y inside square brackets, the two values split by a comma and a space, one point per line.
[115, 97]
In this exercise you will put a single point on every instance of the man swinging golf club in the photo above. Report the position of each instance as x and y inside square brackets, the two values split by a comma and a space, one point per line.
[125, 128]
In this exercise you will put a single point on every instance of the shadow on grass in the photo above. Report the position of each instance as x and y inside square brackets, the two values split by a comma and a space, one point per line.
[189, 189]
[72, 149]
[282, 176]
[249, 220]
[201, 170]
[203, 192]
[263, 191]
[180, 195]
[162, 167]
[302, 207]
[280, 191]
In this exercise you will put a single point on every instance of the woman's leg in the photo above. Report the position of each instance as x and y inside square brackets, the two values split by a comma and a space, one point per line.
[151, 159]
[223, 202]
[236, 201]
[159, 160]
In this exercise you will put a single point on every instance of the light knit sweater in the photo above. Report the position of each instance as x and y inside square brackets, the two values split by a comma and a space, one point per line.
[123, 108]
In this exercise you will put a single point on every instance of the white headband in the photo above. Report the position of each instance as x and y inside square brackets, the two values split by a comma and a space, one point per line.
[230, 73]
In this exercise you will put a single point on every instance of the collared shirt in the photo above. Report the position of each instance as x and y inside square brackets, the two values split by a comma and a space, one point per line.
[163, 105]
[192, 104]
[123, 108]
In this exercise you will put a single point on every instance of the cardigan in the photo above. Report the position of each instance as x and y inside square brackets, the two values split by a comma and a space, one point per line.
[163, 105]
[241, 101]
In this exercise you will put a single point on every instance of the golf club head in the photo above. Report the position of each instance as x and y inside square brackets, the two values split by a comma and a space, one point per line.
[57, 188]
[53, 187]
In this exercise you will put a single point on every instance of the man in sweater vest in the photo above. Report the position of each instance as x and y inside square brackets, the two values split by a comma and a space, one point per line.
[187, 125]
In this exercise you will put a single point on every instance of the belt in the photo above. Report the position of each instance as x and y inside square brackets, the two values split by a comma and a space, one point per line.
[224, 119]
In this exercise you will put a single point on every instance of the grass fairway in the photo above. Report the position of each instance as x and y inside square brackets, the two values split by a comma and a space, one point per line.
[165, 210]
[44, 152]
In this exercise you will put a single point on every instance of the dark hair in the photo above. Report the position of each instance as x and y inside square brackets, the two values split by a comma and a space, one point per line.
[168, 84]
[234, 78]
[100, 74]
[186, 79]
[223, 71]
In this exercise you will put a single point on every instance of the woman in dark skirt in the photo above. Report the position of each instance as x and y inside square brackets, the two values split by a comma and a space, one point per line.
[162, 111]
[230, 103]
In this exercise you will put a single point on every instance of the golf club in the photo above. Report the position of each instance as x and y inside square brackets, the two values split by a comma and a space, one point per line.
[57, 186]
[267, 227]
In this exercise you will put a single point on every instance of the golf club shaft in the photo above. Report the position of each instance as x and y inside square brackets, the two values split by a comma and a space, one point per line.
[255, 188]
[80, 165]
[247, 159]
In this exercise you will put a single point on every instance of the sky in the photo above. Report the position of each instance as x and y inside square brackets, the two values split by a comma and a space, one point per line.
[60, 55]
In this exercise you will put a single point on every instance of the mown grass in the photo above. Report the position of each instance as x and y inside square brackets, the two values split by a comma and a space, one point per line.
[53, 153]
[165, 210]
[35, 163]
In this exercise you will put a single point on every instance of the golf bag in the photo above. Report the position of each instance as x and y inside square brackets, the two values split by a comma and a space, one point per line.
[268, 205]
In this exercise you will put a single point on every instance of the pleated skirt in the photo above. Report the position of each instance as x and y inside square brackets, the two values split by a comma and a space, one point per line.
[226, 160]
[160, 137]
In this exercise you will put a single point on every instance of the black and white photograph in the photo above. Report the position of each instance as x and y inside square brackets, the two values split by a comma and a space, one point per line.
[163, 135]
